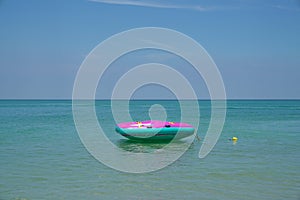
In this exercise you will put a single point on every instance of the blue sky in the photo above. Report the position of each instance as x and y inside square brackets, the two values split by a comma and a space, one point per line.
[255, 44]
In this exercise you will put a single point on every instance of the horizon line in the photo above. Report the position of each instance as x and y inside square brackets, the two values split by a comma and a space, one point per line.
[140, 99]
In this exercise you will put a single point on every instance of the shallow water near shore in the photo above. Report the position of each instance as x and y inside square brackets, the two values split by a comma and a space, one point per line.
[42, 157]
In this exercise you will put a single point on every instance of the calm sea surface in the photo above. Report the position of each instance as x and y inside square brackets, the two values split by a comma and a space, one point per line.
[42, 157]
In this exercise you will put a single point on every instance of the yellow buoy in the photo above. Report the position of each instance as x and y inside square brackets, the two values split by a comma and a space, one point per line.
[234, 138]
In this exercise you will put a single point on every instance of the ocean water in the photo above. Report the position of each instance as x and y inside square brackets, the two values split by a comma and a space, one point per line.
[42, 157]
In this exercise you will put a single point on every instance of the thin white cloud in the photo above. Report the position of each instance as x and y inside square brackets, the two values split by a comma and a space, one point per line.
[288, 8]
[231, 4]
[153, 4]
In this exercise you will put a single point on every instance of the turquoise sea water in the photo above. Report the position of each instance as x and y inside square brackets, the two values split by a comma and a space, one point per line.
[42, 157]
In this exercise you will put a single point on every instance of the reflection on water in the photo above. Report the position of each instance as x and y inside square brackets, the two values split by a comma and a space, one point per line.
[150, 146]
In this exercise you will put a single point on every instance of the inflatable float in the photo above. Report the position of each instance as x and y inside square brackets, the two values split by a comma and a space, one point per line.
[154, 130]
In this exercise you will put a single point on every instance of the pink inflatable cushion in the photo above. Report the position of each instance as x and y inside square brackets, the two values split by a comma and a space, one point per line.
[152, 124]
